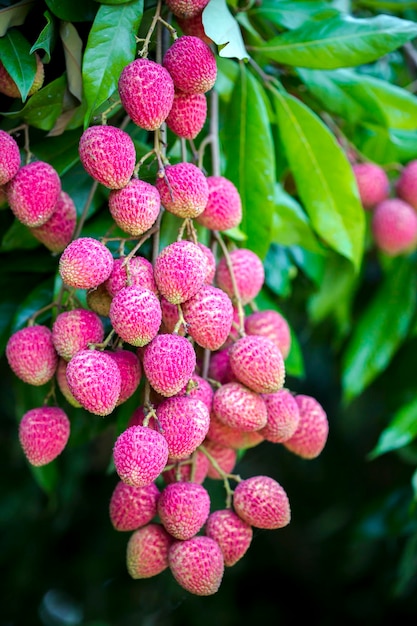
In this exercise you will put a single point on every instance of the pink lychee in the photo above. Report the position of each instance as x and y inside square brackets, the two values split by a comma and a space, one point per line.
[372, 182]
[239, 407]
[61, 379]
[406, 186]
[283, 416]
[223, 456]
[183, 189]
[183, 509]
[132, 507]
[188, 114]
[140, 454]
[199, 389]
[394, 226]
[170, 318]
[262, 502]
[232, 534]
[220, 368]
[31, 354]
[186, 8]
[184, 422]
[235, 438]
[74, 330]
[224, 207]
[248, 272]
[43, 434]
[169, 362]
[257, 363]
[130, 372]
[136, 315]
[312, 431]
[211, 263]
[191, 64]
[85, 263]
[209, 316]
[138, 271]
[135, 208]
[270, 324]
[193, 469]
[197, 565]
[58, 231]
[9, 157]
[180, 271]
[147, 551]
[194, 26]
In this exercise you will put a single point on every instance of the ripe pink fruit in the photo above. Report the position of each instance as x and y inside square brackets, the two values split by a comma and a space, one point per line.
[183, 189]
[169, 362]
[136, 315]
[94, 380]
[58, 231]
[170, 317]
[312, 431]
[184, 422]
[239, 407]
[199, 389]
[194, 26]
[224, 206]
[61, 379]
[99, 300]
[257, 363]
[146, 90]
[283, 416]
[75, 330]
[9, 157]
[197, 565]
[224, 457]
[270, 324]
[186, 8]
[135, 207]
[193, 469]
[180, 271]
[191, 65]
[261, 502]
[132, 507]
[372, 182]
[85, 263]
[188, 114]
[108, 154]
[137, 272]
[232, 534]
[43, 434]
[140, 454]
[31, 354]
[232, 437]
[130, 373]
[406, 186]
[147, 551]
[211, 263]
[34, 209]
[248, 272]
[220, 368]
[209, 315]
[9, 87]
[394, 226]
[183, 509]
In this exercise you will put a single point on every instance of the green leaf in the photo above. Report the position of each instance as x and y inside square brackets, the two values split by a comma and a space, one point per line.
[72, 44]
[39, 297]
[400, 432]
[14, 15]
[71, 11]
[250, 165]
[222, 28]
[46, 476]
[323, 177]
[111, 45]
[384, 145]
[16, 58]
[341, 41]
[334, 297]
[46, 38]
[381, 329]
[60, 152]
[291, 225]
[18, 237]
[290, 14]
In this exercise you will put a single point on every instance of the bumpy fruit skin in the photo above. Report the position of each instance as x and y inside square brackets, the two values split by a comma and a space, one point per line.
[136, 315]
[261, 502]
[270, 324]
[74, 330]
[209, 316]
[170, 318]
[33, 193]
[188, 114]
[248, 271]
[146, 90]
[140, 454]
[257, 363]
[211, 263]
[9, 87]
[61, 379]
[224, 457]
[9, 157]
[180, 271]
[197, 565]
[108, 155]
[140, 274]
[191, 64]
[283, 416]
[199, 389]
[372, 182]
[239, 407]
[130, 373]
[99, 300]
[194, 26]
[132, 507]
[43, 434]
[94, 380]
[184, 423]
[183, 509]
[169, 362]
[235, 438]
[224, 206]
[31, 354]
[406, 186]
[183, 189]
[220, 368]
[184, 470]
[186, 8]
[135, 208]
[85, 263]
[147, 551]
[58, 231]
[312, 431]
[232, 534]
[394, 226]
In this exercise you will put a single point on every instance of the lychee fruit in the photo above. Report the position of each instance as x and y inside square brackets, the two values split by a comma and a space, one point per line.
[99, 300]
[270, 324]
[235, 438]
[183, 189]
[43, 434]
[135, 208]
[94, 380]
[257, 363]
[406, 186]
[85, 263]
[188, 114]
[130, 373]
[74, 330]
[132, 507]
[9, 87]
[183, 509]
[170, 318]
[140, 454]
[209, 317]
[194, 468]
[394, 226]
[262, 502]
[184, 422]
[220, 369]
[239, 407]
[232, 534]
[146, 90]
[169, 362]
[186, 8]
[223, 456]
[197, 565]
[147, 551]
[137, 272]
[312, 431]
[191, 64]
[31, 354]
[9, 157]
[224, 207]
[283, 416]
[248, 272]
[135, 315]
[372, 182]
[61, 379]
[58, 231]
[180, 271]
[33, 193]
[211, 263]
[198, 388]
[194, 26]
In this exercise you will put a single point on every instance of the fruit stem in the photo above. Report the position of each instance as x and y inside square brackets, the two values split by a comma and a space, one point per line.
[85, 210]
[105, 113]
[26, 146]
[144, 51]
[33, 317]
[181, 321]
[226, 477]
[236, 291]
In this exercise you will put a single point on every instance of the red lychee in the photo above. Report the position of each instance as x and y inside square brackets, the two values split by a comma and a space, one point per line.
[197, 565]
[226, 436]
[372, 182]
[130, 373]
[248, 272]
[270, 324]
[191, 64]
[75, 330]
[188, 114]
[136, 315]
[147, 551]
[169, 362]
[209, 316]
[31, 354]
[135, 208]
[9, 157]
[257, 363]
[183, 509]
[183, 189]
[43, 434]
[184, 422]
[138, 272]
[85, 263]
[194, 26]
[394, 226]
[180, 271]
[232, 534]
[140, 454]
[224, 207]
[132, 507]
[58, 231]
[262, 502]
[283, 416]
[312, 431]
[406, 186]
[239, 407]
